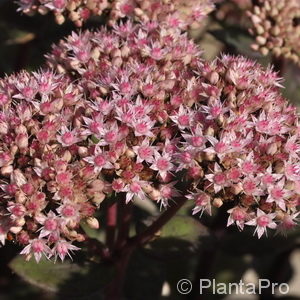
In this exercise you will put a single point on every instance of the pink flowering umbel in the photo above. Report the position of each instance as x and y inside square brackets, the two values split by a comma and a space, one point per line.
[136, 113]
[229, 130]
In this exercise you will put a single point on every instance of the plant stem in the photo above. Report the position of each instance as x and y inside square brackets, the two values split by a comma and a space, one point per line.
[111, 222]
[147, 235]
[114, 289]
[125, 215]
[209, 253]
[126, 247]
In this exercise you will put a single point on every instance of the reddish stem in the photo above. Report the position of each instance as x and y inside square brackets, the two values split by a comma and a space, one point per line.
[147, 235]
[111, 222]
[123, 254]
[125, 215]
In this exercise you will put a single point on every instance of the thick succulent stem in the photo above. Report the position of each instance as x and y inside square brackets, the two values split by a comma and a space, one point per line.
[111, 223]
[125, 213]
[123, 253]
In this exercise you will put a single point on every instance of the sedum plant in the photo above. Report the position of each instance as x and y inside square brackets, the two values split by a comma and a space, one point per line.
[133, 108]
[132, 113]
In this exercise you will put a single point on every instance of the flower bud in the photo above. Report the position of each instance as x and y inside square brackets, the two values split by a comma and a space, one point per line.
[92, 222]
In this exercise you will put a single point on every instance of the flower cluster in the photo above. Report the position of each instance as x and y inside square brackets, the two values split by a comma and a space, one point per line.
[276, 28]
[179, 12]
[128, 111]
[65, 144]
[140, 81]
[251, 145]
[228, 129]
[46, 188]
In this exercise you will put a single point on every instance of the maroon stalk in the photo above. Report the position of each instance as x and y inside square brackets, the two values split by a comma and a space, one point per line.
[111, 222]
[125, 215]
[123, 254]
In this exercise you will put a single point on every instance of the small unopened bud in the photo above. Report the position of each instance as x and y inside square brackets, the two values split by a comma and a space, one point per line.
[125, 51]
[236, 188]
[18, 177]
[279, 215]
[15, 229]
[155, 195]
[217, 202]
[60, 19]
[97, 186]
[3, 128]
[20, 222]
[213, 77]
[98, 198]
[83, 151]
[116, 53]
[129, 153]
[20, 197]
[43, 10]
[92, 222]
[210, 131]
[6, 170]
[209, 156]
[138, 12]
[117, 61]
[264, 51]
[22, 141]
[272, 149]
[21, 129]
[74, 16]
[261, 40]
[80, 238]
[289, 185]
[279, 167]
[67, 156]
[147, 188]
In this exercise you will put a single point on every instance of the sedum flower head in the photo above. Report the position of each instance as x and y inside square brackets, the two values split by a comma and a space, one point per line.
[66, 144]
[134, 110]
[177, 13]
[250, 156]
[224, 124]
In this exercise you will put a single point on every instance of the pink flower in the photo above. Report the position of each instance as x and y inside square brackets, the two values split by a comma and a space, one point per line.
[51, 224]
[38, 248]
[202, 202]
[143, 127]
[278, 194]
[289, 222]
[144, 151]
[135, 189]
[218, 178]
[162, 164]
[262, 221]
[99, 160]
[68, 138]
[182, 118]
[62, 248]
[168, 192]
[238, 215]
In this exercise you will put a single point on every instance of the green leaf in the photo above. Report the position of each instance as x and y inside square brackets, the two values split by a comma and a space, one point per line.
[67, 278]
[179, 236]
